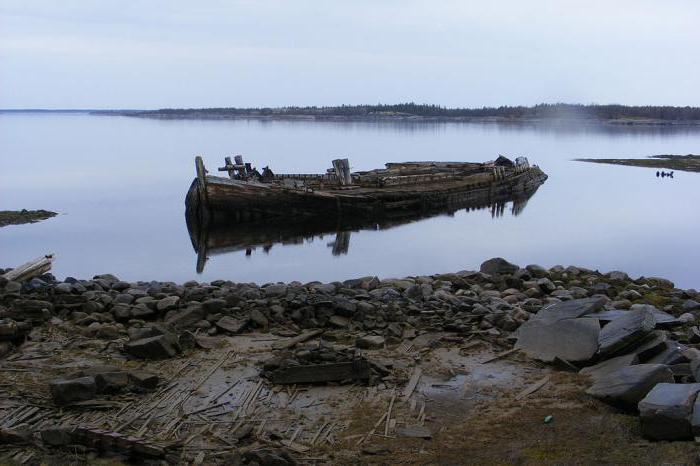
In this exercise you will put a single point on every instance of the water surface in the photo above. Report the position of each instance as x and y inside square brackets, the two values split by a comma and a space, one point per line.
[119, 184]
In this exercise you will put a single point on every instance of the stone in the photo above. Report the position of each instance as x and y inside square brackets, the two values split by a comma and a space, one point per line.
[144, 380]
[339, 321]
[611, 365]
[375, 450]
[570, 309]
[691, 305]
[686, 318]
[672, 353]
[186, 317]
[111, 382]
[167, 304]
[546, 285]
[626, 331]
[275, 291]
[666, 411]
[69, 391]
[498, 266]
[56, 436]
[370, 342]
[573, 340]
[157, 347]
[628, 385]
[258, 318]
[232, 325]
[654, 344]
[214, 305]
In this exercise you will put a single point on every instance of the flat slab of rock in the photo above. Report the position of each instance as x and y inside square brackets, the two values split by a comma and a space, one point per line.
[626, 331]
[572, 340]
[611, 365]
[570, 309]
[629, 385]
[666, 411]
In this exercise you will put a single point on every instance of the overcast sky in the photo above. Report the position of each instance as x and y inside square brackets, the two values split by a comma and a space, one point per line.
[185, 53]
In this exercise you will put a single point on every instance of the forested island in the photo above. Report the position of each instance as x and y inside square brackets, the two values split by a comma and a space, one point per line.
[618, 114]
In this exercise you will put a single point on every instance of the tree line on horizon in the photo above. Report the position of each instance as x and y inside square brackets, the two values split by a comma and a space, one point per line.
[558, 110]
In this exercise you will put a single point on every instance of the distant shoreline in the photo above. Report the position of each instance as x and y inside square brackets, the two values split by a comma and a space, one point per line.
[689, 163]
[19, 217]
[396, 118]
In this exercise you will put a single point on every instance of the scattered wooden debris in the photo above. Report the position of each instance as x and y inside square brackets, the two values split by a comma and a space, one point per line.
[501, 355]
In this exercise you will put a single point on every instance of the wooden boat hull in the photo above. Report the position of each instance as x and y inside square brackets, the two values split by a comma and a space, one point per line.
[219, 232]
[238, 201]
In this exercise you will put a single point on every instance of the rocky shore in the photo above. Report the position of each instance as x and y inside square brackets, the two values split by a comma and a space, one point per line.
[18, 217]
[280, 373]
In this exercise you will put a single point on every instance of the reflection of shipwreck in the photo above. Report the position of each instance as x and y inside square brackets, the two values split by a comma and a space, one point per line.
[222, 230]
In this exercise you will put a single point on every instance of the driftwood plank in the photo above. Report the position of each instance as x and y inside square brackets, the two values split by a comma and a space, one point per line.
[31, 269]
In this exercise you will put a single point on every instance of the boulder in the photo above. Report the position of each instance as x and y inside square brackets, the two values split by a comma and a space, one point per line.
[186, 317]
[258, 318]
[232, 325]
[666, 411]
[370, 342]
[628, 385]
[611, 365]
[157, 347]
[625, 332]
[573, 340]
[69, 391]
[144, 380]
[111, 382]
[498, 266]
[570, 309]
[214, 305]
[167, 304]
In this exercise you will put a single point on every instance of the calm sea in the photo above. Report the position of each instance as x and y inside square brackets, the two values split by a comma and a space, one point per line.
[119, 185]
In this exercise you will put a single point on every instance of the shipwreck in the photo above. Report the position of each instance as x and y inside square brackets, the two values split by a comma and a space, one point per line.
[398, 190]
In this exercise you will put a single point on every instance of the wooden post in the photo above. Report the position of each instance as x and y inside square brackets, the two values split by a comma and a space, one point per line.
[201, 183]
[342, 170]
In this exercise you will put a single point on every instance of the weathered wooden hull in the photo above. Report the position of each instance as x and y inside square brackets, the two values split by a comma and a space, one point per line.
[221, 233]
[215, 197]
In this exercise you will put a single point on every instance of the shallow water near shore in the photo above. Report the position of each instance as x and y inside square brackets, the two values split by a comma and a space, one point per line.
[119, 185]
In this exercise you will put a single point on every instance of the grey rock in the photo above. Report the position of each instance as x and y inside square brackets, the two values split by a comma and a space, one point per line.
[546, 285]
[691, 305]
[673, 353]
[214, 305]
[258, 318]
[570, 309]
[167, 304]
[370, 342]
[111, 382]
[13, 287]
[144, 380]
[123, 298]
[628, 385]
[232, 325]
[63, 288]
[666, 411]
[275, 291]
[611, 365]
[339, 321]
[572, 340]
[57, 436]
[69, 391]
[626, 332]
[157, 347]
[686, 318]
[498, 266]
[186, 317]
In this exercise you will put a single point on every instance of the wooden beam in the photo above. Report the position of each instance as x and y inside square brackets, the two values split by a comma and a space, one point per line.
[31, 269]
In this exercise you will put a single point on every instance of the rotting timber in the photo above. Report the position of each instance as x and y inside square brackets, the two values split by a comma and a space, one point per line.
[398, 190]
[220, 235]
